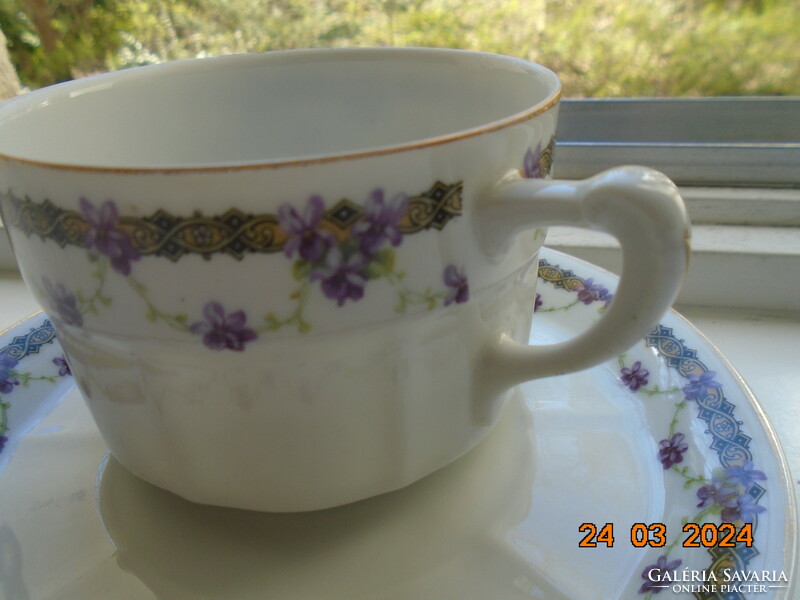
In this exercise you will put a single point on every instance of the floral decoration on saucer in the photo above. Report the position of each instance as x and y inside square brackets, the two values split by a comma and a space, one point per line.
[728, 498]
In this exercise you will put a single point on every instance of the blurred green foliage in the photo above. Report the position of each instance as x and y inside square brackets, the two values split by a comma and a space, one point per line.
[55, 41]
[598, 47]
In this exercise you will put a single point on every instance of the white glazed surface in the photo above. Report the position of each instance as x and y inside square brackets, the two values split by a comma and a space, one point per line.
[306, 423]
[350, 352]
[501, 523]
[272, 108]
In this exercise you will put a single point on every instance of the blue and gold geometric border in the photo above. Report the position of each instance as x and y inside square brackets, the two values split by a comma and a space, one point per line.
[729, 442]
[29, 343]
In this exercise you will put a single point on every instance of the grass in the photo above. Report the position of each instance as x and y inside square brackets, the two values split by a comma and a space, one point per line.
[598, 47]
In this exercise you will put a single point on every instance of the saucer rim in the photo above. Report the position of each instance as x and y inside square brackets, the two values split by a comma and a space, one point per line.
[791, 550]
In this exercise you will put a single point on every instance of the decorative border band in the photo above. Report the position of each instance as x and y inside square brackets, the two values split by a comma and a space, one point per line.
[233, 232]
[730, 443]
[29, 343]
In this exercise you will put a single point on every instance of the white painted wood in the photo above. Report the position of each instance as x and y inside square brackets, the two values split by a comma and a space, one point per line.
[730, 266]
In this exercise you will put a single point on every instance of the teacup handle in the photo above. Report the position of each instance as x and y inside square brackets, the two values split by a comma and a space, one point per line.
[643, 210]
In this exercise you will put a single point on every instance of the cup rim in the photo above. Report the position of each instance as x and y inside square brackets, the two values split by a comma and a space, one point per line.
[33, 98]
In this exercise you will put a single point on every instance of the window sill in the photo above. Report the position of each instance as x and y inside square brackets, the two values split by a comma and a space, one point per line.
[732, 266]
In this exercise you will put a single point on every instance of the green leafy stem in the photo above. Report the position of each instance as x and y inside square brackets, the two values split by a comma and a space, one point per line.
[601, 309]
[89, 304]
[383, 266]
[557, 308]
[179, 322]
[4, 407]
[24, 378]
[296, 317]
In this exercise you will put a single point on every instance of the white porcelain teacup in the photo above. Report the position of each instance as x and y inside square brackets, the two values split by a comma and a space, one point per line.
[293, 280]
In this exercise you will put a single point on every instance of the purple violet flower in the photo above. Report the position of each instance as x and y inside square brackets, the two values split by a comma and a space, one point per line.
[699, 384]
[654, 574]
[593, 292]
[3, 441]
[105, 238]
[7, 380]
[343, 278]
[720, 491]
[745, 474]
[221, 331]
[458, 285]
[532, 166]
[66, 305]
[304, 237]
[381, 222]
[538, 304]
[63, 367]
[671, 450]
[742, 509]
[635, 377]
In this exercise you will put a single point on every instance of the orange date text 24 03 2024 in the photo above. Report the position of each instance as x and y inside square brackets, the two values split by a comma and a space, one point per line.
[654, 535]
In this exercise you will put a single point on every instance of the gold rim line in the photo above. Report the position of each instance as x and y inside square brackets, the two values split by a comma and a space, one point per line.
[33, 315]
[526, 115]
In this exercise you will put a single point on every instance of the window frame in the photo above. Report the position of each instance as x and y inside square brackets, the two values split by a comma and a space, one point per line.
[750, 142]
[737, 164]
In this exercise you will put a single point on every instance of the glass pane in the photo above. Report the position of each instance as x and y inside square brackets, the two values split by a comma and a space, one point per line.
[702, 141]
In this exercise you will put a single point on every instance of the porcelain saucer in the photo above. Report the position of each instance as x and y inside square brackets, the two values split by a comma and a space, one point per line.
[582, 491]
